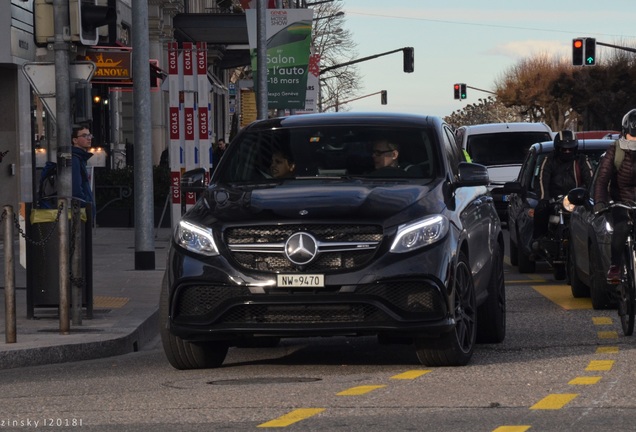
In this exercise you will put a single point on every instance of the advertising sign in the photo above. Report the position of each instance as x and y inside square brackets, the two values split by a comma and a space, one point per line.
[288, 33]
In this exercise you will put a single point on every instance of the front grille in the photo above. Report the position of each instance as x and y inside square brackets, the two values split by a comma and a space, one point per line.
[342, 247]
[231, 305]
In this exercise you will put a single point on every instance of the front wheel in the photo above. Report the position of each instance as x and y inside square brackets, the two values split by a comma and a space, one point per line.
[456, 347]
[182, 354]
[626, 294]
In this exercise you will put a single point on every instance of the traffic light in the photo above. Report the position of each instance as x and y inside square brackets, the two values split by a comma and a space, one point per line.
[590, 52]
[462, 91]
[87, 17]
[409, 59]
[383, 97]
[577, 51]
[456, 89]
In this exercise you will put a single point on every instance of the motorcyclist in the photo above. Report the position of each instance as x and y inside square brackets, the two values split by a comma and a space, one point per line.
[623, 188]
[562, 170]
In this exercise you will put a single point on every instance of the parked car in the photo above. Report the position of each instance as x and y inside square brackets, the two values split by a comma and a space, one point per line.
[523, 197]
[588, 261]
[502, 148]
[412, 254]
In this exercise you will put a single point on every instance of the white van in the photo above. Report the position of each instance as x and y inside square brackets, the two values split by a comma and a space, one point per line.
[502, 147]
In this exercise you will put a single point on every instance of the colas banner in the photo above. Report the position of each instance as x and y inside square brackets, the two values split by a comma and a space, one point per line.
[288, 33]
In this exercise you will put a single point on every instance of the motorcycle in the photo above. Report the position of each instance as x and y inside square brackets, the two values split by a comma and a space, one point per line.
[553, 246]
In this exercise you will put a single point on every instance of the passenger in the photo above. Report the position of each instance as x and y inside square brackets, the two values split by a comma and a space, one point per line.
[282, 165]
[621, 171]
[562, 170]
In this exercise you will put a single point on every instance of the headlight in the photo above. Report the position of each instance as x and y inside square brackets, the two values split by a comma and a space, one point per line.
[195, 238]
[567, 205]
[419, 234]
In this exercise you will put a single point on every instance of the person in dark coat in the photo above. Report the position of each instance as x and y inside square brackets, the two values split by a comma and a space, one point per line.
[82, 140]
[618, 184]
[562, 170]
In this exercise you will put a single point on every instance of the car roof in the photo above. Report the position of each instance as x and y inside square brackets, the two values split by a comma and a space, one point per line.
[345, 118]
[584, 144]
[506, 127]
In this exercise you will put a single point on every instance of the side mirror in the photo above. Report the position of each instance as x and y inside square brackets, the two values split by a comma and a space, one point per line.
[193, 181]
[580, 196]
[472, 174]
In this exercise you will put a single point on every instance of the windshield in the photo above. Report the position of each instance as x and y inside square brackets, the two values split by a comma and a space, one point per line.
[502, 148]
[330, 151]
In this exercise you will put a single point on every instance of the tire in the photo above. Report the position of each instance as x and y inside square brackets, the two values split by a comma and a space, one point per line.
[579, 289]
[600, 291]
[491, 315]
[558, 271]
[626, 294]
[186, 355]
[456, 347]
[514, 258]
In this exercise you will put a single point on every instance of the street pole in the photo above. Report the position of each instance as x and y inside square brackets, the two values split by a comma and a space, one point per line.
[143, 182]
[64, 151]
[261, 59]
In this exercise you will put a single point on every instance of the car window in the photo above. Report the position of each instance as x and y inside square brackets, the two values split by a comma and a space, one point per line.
[502, 147]
[331, 151]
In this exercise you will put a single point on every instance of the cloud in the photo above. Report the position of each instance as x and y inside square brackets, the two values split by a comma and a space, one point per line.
[527, 48]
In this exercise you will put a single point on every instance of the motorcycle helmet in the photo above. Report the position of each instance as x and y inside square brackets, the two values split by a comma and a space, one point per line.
[566, 145]
[629, 123]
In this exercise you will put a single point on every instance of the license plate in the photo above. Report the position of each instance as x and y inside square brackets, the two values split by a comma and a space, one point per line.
[300, 281]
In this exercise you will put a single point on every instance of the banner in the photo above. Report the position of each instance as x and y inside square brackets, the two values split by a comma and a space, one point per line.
[288, 33]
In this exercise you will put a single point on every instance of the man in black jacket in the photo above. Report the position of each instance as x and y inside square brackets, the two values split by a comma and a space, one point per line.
[562, 170]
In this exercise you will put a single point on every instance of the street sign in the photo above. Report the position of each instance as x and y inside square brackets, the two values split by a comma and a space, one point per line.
[41, 76]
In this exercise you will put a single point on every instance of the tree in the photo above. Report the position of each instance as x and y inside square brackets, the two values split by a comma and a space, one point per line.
[488, 110]
[526, 86]
[335, 45]
[571, 97]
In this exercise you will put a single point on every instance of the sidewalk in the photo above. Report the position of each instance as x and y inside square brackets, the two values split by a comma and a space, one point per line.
[125, 302]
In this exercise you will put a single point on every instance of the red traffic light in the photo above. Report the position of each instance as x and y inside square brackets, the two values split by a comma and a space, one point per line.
[456, 89]
[578, 43]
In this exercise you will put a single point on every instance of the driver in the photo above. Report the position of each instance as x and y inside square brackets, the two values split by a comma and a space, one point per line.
[562, 170]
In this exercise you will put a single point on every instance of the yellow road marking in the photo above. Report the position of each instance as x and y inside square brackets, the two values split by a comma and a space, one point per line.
[613, 334]
[602, 320]
[600, 365]
[562, 295]
[410, 374]
[554, 401]
[292, 417]
[585, 380]
[360, 390]
[607, 350]
[519, 428]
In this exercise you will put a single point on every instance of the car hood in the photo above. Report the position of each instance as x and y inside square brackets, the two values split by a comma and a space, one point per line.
[500, 174]
[322, 200]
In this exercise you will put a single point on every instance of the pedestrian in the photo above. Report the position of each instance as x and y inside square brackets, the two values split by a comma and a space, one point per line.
[82, 140]
[616, 181]
[218, 151]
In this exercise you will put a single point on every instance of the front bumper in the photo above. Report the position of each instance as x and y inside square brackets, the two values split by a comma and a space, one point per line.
[214, 299]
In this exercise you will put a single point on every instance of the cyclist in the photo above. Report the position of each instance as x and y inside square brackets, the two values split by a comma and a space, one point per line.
[619, 171]
[562, 170]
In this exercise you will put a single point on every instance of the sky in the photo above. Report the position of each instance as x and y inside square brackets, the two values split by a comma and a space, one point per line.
[468, 41]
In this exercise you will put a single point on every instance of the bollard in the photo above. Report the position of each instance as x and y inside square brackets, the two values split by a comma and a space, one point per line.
[9, 277]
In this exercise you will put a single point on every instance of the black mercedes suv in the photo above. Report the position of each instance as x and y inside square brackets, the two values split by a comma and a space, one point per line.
[376, 226]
